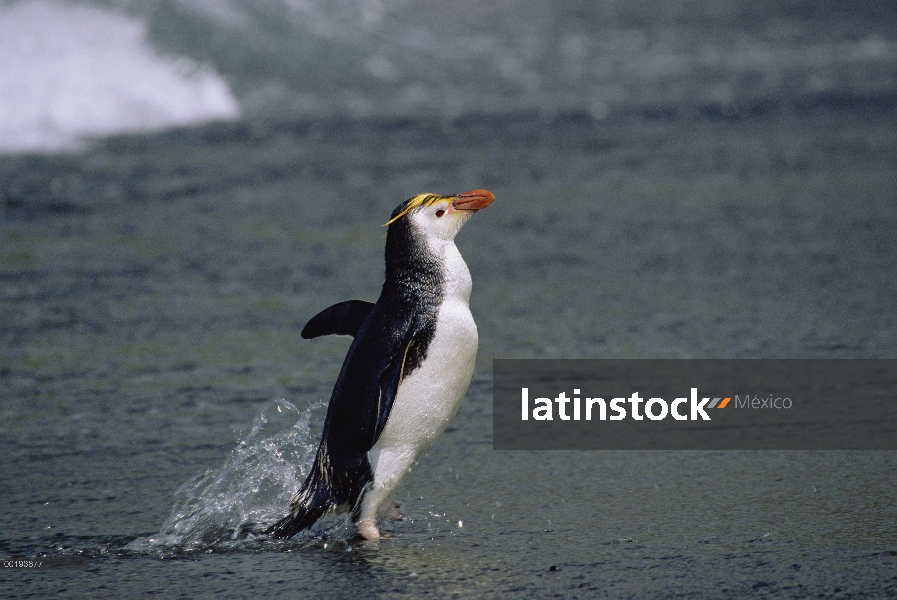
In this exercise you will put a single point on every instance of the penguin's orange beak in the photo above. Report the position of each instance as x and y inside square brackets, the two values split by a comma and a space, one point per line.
[473, 200]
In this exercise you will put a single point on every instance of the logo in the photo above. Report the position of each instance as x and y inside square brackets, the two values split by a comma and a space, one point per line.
[694, 404]
[588, 409]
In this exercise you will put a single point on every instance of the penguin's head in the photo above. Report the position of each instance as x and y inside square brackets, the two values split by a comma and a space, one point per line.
[440, 217]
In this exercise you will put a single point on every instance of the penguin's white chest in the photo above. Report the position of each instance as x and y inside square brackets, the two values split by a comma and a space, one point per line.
[429, 397]
[425, 403]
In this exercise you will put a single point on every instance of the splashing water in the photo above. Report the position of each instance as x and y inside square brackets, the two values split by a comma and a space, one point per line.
[73, 71]
[228, 508]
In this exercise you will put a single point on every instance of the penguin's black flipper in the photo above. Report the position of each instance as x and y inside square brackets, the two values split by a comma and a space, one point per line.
[344, 318]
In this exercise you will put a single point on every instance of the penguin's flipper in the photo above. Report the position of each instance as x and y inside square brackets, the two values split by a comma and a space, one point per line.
[405, 361]
[344, 318]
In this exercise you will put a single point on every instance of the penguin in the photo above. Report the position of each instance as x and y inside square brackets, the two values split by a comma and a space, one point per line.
[406, 372]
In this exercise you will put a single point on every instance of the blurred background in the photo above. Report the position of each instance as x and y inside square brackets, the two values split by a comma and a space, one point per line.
[184, 183]
[74, 69]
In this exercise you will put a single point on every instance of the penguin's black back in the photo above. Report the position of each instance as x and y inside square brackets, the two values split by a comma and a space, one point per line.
[403, 319]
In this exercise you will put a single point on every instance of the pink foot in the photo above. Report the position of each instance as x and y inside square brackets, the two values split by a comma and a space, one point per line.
[367, 528]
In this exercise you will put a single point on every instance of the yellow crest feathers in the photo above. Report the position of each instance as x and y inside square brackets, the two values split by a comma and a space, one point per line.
[412, 203]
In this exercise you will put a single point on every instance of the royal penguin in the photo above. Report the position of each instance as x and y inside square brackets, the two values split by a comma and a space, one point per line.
[406, 372]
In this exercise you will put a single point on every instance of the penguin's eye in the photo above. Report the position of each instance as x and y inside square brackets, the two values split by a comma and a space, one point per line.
[440, 212]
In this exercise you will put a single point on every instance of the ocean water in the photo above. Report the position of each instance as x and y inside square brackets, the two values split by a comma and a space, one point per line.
[74, 71]
[158, 405]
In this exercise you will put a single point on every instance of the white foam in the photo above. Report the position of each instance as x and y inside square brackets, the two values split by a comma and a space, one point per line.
[72, 72]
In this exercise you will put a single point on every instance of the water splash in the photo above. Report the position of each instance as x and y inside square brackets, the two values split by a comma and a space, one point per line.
[75, 70]
[229, 507]
[72, 72]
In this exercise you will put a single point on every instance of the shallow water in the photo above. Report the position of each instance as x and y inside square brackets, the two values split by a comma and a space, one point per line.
[152, 291]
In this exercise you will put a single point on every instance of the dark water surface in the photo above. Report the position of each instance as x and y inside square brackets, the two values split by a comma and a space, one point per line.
[152, 291]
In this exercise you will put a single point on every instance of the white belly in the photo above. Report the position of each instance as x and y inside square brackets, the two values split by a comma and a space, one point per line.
[426, 401]
[429, 397]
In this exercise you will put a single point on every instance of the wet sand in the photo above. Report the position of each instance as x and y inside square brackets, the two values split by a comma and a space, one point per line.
[152, 291]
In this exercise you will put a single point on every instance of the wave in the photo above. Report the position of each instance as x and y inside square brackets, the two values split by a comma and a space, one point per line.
[91, 69]
[72, 72]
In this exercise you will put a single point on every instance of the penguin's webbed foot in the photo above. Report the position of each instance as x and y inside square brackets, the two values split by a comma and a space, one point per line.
[367, 528]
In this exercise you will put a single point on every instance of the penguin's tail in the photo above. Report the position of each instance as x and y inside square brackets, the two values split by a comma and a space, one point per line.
[307, 506]
[329, 486]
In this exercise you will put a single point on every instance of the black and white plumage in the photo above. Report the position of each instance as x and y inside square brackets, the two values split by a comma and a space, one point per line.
[406, 371]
